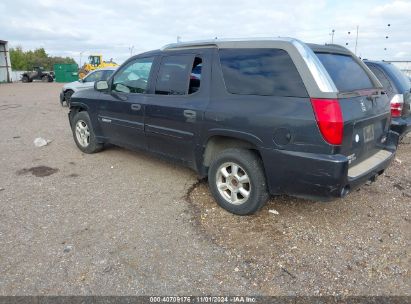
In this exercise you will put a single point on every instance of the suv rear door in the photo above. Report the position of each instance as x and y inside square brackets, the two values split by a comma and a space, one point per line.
[175, 111]
[365, 109]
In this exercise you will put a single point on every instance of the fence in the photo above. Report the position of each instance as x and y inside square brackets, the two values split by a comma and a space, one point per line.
[403, 65]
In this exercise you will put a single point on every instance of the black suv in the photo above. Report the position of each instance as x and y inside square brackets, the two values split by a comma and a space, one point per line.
[258, 117]
[398, 88]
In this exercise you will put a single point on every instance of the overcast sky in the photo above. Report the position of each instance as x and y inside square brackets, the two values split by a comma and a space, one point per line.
[66, 28]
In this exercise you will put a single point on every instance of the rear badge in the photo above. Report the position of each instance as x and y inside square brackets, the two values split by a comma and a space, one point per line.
[351, 158]
[357, 138]
[363, 107]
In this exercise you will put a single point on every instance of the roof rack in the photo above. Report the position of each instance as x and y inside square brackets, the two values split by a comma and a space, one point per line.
[336, 46]
[219, 42]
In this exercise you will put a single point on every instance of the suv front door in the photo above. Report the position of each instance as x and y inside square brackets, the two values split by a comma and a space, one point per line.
[121, 110]
[174, 112]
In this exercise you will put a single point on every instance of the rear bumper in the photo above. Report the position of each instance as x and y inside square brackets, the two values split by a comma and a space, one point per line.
[318, 176]
[401, 125]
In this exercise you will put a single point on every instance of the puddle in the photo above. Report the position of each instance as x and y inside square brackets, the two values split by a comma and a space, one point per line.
[39, 171]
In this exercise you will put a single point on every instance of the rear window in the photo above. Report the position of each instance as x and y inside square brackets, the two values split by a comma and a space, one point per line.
[386, 83]
[403, 83]
[345, 72]
[261, 72]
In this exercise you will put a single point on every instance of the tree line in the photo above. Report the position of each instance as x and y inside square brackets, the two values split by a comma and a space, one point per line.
[25, 60]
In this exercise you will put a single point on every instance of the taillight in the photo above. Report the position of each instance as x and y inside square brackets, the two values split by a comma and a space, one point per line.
[397, 104]
[329, 119]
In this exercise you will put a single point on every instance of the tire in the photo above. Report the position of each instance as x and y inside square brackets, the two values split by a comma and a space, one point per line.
[67, 97]
[25, 79]
[45, 78]
[222, 185]
[83, 134]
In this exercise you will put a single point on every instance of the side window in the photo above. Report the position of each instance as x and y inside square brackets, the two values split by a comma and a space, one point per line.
[267, 72]
[133, 78]
[179, 75]
[96, 76]
[107, 74]
[382, 78]
[195, 75]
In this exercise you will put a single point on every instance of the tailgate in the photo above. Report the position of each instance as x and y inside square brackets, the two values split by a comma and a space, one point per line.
[365, 109]
[366, 124]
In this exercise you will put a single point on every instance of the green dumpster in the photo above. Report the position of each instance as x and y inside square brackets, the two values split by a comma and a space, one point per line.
[66, 72]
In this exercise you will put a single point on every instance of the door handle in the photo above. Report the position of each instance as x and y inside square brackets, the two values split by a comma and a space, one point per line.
[189, 113]
[136, 107]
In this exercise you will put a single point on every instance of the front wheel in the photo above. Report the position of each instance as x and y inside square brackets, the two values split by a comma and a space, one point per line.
[83, 134]
[45, 78]
[237, 181]
[25, 79]
[67, 97]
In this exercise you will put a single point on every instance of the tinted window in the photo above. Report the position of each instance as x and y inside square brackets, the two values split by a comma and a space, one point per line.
[195, 75]
[261, 72]
[107, 74]
[382, 78]
[401, 80]
[179, 75]
[133, 78]
[346, 73]
[95, 76]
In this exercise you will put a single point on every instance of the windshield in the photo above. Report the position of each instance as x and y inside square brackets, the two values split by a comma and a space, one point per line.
[345, 72]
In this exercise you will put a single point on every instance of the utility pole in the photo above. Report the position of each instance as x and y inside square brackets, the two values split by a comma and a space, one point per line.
[81, 54]
[178, 39]
[131, 48]
[332, 36]
[356, 42]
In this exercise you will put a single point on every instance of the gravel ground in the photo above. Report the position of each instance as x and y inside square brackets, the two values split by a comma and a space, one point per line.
[125, 223]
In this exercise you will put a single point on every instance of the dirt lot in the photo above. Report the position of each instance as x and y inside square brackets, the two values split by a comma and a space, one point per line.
[122, 222]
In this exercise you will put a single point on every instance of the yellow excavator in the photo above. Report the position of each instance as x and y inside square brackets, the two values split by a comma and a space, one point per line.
[95, 62]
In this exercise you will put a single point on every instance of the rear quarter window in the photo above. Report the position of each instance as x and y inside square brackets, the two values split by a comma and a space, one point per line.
[267, 72]
[345, 72]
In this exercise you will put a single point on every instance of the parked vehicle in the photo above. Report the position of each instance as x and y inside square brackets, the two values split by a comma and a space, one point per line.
[38, 73]
[85, 83]
[95, 62]
[260, 117]
[398, 88]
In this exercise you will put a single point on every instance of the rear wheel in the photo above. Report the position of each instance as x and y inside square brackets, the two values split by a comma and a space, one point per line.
[45, 78]
[25, 79]
[237, 181]
[84, 135]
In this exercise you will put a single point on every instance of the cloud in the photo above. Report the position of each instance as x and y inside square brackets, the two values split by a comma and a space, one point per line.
[110, 27]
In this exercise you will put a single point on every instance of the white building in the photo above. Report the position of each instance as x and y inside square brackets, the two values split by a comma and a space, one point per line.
[5, 63]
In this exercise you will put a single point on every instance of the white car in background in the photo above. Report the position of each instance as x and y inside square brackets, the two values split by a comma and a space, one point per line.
[85, 83]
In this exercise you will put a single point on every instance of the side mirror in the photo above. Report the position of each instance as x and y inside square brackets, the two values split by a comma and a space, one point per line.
[101, 85]
[81, 80]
